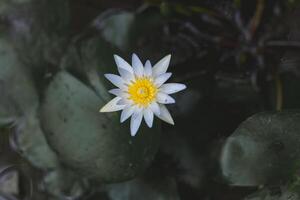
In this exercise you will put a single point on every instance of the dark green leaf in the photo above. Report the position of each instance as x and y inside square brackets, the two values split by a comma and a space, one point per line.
[93, 143]
[263, 150]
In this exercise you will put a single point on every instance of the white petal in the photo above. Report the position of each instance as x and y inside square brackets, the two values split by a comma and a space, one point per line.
[121, 63]
[125, 95]
[155, 108]
[125, 101]
[165, 115]
[162, 66]
[115, 79]
[120, 93]
[137, 65]
[161, 79]
[148, 116]
[116, 91]
[112, 105]
[126, 113]
[164, 98]
[135, 122]
[170, 88]
[126, 75]
[148, 69]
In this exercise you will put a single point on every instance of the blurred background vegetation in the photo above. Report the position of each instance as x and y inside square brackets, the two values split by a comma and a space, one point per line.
[237, 130]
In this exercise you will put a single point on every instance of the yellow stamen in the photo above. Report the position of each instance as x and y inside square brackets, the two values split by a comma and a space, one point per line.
[142, 91]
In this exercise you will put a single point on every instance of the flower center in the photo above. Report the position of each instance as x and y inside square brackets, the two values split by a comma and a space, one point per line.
[142, 91]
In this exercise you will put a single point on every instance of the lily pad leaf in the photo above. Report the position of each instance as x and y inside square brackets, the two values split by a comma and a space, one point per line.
[31, 142]
[93, 143]
[16, 86]
[263, 150]
[282, 193]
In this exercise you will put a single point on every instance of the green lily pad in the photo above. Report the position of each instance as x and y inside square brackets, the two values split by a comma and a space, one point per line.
[17, 88]
[90, 59]
[95, 144]
[162, 189]
[8, 109]
[263, 149]
[63, 184]
[32, 144]
[38, 29]
[125, 30]
[283, 194]
[19, 104]
[140, 32]
[116, 28]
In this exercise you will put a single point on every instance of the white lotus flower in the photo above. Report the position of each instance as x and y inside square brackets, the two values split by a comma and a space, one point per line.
[141, 91]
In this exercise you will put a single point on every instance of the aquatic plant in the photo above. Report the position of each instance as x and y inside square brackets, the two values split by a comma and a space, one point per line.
[237, 122]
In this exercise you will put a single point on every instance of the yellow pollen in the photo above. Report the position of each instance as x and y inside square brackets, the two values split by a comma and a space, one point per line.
[142, 91]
